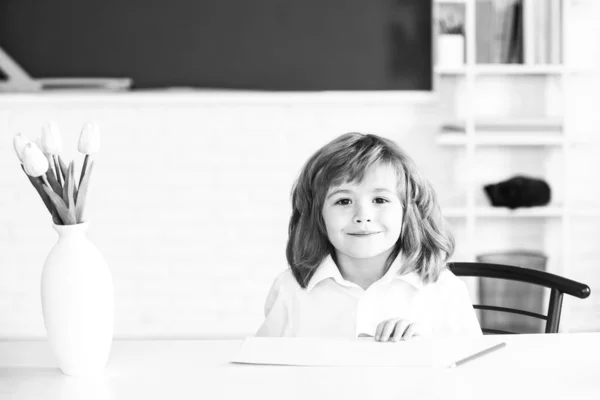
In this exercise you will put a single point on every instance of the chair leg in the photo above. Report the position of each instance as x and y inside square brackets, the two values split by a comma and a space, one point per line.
[554, 308]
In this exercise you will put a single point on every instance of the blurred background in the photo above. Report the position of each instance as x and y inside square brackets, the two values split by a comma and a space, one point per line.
[209, 109]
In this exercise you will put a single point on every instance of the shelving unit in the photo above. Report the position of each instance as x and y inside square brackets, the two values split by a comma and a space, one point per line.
[513, 69]
[512, 139]
[502, 120]
[497, 212]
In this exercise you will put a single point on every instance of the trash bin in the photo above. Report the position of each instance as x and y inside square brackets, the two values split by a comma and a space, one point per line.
[511, 294]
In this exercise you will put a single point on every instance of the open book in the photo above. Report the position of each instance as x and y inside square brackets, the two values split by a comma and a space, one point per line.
[329, 352]
[18, 80]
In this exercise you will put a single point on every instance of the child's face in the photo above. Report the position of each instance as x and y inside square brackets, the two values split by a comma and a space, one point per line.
[364, 220]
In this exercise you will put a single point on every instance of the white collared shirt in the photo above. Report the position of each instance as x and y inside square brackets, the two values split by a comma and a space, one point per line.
[331, 306]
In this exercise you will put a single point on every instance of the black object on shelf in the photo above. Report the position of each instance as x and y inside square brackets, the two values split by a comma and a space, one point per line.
[518, 191]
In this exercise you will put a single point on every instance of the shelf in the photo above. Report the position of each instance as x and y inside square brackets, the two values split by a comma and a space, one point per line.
[512, 69]
[443, 70]
[510, 124]
[505, 132]
[517, 69]
[583, 70]
[506, 69]
[532, 212]
[585, 212]
[502, 212]
[499, 139]
[454, 212]
[503, 120]
[502, 69]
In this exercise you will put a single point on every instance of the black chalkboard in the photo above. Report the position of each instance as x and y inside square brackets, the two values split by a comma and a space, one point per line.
[233, 44]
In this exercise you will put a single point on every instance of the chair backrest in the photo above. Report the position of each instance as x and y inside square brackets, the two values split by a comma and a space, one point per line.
[557, 285]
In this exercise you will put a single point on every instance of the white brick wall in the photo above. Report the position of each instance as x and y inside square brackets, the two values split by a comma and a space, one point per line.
[189, 201]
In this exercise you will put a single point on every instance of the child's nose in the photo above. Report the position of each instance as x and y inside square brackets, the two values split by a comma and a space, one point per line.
[363, 214]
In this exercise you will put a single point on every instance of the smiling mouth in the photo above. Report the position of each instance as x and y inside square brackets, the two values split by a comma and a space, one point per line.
[362, 234]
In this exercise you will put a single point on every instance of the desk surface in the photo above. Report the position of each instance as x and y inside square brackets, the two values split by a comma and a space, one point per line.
[563, 365]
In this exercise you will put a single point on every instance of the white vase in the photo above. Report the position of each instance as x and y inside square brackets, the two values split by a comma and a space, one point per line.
[451, 50]
[78, 302]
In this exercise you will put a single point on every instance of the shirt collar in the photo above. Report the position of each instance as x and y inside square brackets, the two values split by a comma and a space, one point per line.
[328, 269]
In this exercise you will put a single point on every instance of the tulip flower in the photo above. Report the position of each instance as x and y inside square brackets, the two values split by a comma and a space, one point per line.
[33, 165]
[66, 204]
[38, 143]
[89, 143]
[51, 145]
[51, 141]
[34, 161]
[89, 139]
[20, 141]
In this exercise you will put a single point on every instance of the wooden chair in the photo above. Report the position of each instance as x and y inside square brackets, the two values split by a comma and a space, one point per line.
[557, 285]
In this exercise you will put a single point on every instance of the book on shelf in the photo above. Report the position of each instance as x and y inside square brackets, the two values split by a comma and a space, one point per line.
[498, 31]
[515, 41]
[518, 31]
[507, 124]
[545, 31]
[555, 29]
[484, 12]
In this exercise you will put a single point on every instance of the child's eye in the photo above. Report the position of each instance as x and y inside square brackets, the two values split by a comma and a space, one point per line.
[380, 200]
[343, 202]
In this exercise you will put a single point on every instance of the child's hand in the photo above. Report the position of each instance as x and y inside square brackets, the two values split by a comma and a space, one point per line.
[397, 329]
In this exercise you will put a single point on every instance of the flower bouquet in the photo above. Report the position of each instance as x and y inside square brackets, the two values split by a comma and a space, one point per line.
[77, 292]
[54, 181]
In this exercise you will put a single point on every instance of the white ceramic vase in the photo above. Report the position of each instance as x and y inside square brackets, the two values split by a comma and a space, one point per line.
[78, 302]
[451, 50]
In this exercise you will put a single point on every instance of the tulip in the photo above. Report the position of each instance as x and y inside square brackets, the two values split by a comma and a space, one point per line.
[20, 141]
[38, 143]
[89, 143]
[89, 139]
[51, 145]
[51, 142]
[66, 204]
[34, 161]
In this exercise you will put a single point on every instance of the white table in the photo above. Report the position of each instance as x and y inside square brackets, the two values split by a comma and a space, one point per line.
[530, 366]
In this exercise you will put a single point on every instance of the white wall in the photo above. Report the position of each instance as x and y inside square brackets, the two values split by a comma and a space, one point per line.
[189, 202]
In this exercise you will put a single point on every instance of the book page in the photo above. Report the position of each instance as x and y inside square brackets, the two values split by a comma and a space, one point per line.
[417, 352]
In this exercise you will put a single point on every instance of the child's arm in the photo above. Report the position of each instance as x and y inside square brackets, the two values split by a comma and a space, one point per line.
[276, 311]
[466, 318]
[456, 315]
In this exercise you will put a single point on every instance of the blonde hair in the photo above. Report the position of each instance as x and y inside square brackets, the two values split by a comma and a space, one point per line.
[425, 241]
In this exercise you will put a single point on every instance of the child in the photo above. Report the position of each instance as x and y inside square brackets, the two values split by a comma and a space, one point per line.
[367, 249]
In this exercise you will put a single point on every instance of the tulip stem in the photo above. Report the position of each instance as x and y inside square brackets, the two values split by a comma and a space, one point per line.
[59, 177]
[45, 180]
[37, 184]
[63, 167]
[85, 162]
